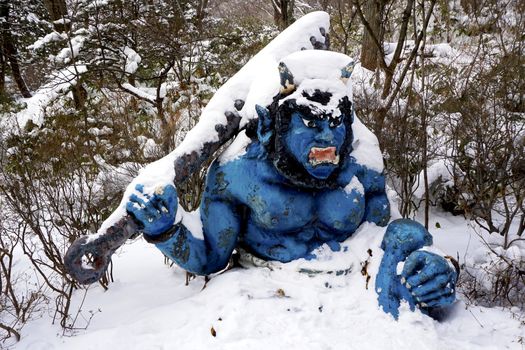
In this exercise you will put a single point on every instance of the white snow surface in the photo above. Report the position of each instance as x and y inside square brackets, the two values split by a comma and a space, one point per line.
[48, 38]
[325, 65]
[366, 149]
[354, 185]
[133, 60]
[149, 307]
[66, 55]
[141, 93]
[236, 149]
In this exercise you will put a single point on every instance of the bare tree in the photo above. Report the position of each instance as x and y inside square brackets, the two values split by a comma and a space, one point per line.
[9, 50]
[371, 52]
[283, 12]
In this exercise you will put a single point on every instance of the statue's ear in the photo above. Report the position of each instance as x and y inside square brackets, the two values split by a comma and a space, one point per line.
[264, 128]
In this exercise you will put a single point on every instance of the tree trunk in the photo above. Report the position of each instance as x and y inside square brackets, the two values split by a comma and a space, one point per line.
[79, 95]
[10, 52]
[57, 10]
[201, 12]
[370, 52]
[283, 13]
[2, 69]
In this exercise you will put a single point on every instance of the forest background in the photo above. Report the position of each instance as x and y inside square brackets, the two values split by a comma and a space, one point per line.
[91, 91]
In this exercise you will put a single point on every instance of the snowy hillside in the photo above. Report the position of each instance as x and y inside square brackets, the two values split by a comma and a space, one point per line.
[149, 307]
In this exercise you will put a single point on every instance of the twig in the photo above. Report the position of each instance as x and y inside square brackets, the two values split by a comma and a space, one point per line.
[10, 331]
[481, 325]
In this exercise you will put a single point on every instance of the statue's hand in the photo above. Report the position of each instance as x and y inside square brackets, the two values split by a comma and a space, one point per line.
[430, 279]
[155, 213]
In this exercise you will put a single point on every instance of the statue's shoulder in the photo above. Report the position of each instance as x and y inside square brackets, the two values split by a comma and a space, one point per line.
[244, 154]
[241, 167]
[371, 179]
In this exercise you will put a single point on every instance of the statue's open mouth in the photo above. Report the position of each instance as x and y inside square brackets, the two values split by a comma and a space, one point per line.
[326, 155]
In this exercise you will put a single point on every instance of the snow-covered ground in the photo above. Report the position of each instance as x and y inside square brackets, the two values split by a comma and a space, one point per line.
[149, 307]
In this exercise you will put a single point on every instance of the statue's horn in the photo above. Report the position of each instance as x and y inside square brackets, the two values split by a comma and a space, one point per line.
[346, 71]
[287, 84]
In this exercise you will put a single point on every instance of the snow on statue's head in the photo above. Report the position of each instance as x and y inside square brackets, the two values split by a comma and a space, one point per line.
[307, 129]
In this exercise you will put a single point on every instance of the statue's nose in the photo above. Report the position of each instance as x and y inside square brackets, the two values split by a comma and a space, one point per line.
[325, 135]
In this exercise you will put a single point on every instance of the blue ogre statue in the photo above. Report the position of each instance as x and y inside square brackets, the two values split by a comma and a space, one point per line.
[296, 186]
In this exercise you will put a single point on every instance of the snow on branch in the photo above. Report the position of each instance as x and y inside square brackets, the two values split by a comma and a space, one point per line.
[60, 83]
[143, 95]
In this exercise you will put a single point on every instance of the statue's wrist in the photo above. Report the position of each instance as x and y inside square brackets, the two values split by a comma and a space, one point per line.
[162, 237]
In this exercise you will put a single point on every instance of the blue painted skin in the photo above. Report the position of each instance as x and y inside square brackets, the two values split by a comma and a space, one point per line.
[426, 281]
[247, 202]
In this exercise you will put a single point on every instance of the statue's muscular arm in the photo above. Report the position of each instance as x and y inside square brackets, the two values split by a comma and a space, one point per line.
[220, 227]
[377, 207]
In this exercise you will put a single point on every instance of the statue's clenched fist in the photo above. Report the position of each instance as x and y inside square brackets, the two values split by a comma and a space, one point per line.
[430, 279]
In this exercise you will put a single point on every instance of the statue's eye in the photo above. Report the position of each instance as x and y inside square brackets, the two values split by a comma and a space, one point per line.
[308, 123]
[335, 122]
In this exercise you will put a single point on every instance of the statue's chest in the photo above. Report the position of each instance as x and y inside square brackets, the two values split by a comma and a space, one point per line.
[282, 209]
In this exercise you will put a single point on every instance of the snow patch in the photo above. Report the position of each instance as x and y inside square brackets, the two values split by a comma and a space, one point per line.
[133, 60]
[49, 38]
[399, 267]
[139, 92]
[366, 147]
[438, 171]
[193, 223]
[354, 185]
[236, 149]
[67, 54]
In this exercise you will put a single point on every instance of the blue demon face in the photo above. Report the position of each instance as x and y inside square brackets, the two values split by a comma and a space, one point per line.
[316, 142]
